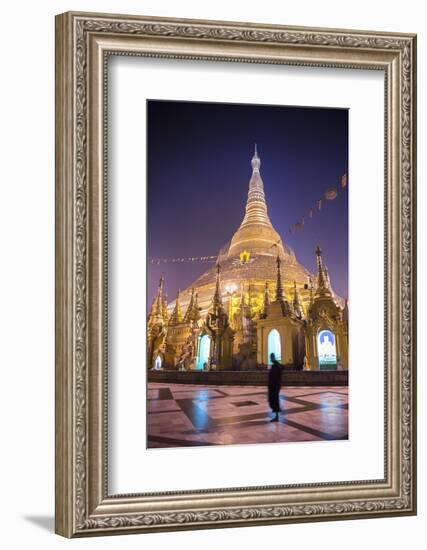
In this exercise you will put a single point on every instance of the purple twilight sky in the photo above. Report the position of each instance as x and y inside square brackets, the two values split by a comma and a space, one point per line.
[198, 170]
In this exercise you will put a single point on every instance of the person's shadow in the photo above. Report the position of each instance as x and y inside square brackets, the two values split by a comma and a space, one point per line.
[45, 522]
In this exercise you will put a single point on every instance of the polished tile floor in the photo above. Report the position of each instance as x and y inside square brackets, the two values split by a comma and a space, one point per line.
[190, 415]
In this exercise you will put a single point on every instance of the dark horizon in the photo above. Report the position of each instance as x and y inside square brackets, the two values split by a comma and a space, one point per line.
[198, 171]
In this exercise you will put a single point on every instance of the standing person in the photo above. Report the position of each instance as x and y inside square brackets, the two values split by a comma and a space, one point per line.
[274, 383]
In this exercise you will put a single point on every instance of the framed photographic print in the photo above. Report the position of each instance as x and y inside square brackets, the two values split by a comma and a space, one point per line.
[235, 274]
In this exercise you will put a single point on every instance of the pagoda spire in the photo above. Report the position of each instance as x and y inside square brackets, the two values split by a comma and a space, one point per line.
[156, 313]
[165, 309]
[255, 162]
[176, 317]
[297, 302]
[256, 207]
[217, 300]
[322, 278]
[328, 280]
[192, 312]
[187, 316]
[256, 232]
[280, 295]
[310, 282]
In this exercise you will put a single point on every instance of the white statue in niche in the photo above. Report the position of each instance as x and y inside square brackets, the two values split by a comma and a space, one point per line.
[327, 351]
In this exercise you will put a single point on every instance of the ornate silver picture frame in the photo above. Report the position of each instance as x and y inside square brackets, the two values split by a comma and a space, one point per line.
[84, 505]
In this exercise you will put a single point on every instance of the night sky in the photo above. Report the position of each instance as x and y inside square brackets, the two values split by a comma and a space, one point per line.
[198, 174]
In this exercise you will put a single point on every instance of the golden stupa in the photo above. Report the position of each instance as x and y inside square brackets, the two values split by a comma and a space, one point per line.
[248, 263]
[257, 299]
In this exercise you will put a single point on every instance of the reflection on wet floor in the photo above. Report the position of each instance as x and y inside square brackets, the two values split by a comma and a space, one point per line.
[191, 415]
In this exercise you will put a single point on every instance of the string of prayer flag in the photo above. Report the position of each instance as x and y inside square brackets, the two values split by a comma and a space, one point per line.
[330, 194]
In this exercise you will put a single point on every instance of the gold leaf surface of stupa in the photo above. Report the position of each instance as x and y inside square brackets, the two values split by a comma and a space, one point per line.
[248, 263]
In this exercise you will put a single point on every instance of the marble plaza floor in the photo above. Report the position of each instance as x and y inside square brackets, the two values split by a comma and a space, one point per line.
[191, 415]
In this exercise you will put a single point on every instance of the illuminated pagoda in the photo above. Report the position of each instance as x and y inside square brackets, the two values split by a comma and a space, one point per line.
[256, 298]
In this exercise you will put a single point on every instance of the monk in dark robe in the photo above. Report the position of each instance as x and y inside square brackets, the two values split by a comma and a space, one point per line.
[274, 383]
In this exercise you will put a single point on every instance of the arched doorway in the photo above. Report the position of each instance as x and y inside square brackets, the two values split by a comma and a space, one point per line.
[204, 351]
[274, 345]
[327, 350]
